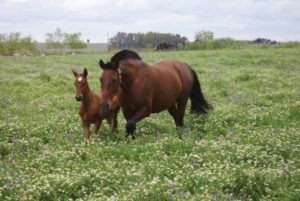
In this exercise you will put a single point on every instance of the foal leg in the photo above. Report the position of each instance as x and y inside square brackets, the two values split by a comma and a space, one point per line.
[86, 131]
[97, 126]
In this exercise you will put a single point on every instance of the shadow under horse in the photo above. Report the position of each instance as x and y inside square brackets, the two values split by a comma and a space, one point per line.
[144, 88]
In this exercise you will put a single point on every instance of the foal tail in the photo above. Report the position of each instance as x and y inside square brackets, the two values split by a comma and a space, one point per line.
[198, 102]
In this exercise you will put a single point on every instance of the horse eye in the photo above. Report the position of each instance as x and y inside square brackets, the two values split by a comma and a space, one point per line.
[114, 81]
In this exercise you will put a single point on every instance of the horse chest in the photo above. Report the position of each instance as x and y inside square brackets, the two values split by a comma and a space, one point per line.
[129, 100]
[136, 96]
[90, 115]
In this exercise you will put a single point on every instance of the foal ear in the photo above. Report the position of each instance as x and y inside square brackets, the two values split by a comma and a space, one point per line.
[101, 64]
[85, 72]
[74, 73]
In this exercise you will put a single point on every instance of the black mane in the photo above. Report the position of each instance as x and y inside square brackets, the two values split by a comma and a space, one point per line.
[121, 55]
[125, 54]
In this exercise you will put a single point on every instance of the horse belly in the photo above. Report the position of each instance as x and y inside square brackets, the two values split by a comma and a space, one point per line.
[164, 101]
[160, 108]
[166, 93]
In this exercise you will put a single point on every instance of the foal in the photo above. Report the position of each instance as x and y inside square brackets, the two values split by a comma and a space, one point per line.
[90, 111]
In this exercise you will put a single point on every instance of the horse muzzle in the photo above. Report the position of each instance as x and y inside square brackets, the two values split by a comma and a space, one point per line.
[78, 98]
[105, 108]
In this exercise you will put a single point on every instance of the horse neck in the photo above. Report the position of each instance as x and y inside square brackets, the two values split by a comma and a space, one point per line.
[130, 72]
[87, 96]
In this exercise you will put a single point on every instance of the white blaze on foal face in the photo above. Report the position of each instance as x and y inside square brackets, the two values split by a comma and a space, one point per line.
[79, 79]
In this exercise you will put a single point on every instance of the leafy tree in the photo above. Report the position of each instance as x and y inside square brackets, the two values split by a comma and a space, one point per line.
[59, 40]
[2, 42]
[73, 41]
[28, 45]
[13, 43]
[204, 36]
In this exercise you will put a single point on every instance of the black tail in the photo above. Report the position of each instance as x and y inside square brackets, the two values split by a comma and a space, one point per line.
[198, 102]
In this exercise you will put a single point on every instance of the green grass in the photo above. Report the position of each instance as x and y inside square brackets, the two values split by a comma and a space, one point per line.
[247, 148]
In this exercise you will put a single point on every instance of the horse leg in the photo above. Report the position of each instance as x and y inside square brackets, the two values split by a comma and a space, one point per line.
[131, 123]
[181, 105]
[114, 120]
[86, 131]
[108, 119]
[174, 113]
[128, 115]
[97, 126]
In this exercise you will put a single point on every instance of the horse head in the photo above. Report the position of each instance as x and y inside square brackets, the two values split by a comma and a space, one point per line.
[80, 83]
[110, 82]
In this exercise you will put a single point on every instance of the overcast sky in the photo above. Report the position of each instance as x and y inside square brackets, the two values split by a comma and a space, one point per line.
[238, 19]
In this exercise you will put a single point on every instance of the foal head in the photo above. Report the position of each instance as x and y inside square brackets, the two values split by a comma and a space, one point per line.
[110, 83]
[81, 84]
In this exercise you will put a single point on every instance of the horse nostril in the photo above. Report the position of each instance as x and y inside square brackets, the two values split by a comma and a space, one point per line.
[105, 108]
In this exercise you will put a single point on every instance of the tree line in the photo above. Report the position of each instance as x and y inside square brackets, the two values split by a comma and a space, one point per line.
[59, 41]
[15, 43]
[145, 40]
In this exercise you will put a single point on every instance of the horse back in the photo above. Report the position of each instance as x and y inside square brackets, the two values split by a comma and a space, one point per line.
[175, 72]
[171, 80]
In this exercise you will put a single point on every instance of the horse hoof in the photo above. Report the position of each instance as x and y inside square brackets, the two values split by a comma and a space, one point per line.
[130, 137]
[130, 127]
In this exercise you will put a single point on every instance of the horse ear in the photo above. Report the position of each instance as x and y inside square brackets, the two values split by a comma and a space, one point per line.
[74, 73]
[85, 72]
[101, 63]
[115, 64]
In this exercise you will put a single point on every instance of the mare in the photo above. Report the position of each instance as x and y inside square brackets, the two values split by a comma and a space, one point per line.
[144, 88]
[90, 111]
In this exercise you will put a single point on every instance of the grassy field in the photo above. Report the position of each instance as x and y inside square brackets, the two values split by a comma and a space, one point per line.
[247, 148]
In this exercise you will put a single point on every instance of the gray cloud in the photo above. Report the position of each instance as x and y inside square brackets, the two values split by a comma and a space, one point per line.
[248, 19]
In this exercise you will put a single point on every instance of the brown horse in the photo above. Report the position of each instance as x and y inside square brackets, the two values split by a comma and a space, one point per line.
[143, 89]
[90, 111]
